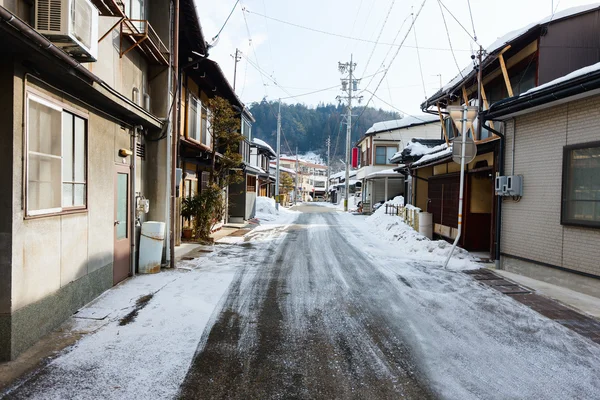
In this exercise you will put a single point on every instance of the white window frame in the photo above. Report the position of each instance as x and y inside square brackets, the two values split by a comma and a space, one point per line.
[62, 109]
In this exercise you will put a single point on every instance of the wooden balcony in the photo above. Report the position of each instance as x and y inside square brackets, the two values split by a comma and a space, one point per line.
[139, 33]
[110, 8]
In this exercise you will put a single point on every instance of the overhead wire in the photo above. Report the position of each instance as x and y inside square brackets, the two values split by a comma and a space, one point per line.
[397, 109]
[418, 58]
[354, 23]
[379, 36]
[340, 35]
[472, 22]
[458, 22]
[251, 46]
[449, 40]
[391, 62]
[225, 23]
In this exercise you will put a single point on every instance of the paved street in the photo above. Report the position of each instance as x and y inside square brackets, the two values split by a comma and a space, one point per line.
[313, 305]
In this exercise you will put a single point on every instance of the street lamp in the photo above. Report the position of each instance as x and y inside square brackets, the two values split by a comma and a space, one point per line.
[463, 117]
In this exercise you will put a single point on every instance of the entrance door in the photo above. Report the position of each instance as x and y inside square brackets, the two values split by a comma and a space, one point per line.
[480, 202]
[121, 223]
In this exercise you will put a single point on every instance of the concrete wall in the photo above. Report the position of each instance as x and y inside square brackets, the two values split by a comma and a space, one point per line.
[61, 262]
[531, 228]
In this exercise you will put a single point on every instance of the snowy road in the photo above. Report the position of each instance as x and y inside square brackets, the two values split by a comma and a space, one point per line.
[326, 310]
[320, 305]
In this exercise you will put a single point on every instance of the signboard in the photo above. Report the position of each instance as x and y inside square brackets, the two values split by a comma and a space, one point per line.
[355, 157]
[470, 149]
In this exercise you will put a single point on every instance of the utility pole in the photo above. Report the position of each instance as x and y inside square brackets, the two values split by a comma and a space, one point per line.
[174, 139]
[278, 156]
[237, 58]
[296, 189]
[349, 85]
[328, 166]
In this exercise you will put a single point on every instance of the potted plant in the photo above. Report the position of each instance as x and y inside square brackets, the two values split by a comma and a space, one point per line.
[189, 207]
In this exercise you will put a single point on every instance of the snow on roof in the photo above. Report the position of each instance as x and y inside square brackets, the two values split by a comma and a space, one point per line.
[384, 173]
[509, 37]
[265, 145]
[342, 174]
[419, 149]
[284, 169]
[433, 156]
[403, 123]
[572, 75]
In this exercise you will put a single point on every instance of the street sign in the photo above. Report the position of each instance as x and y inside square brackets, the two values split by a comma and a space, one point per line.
[470, 150]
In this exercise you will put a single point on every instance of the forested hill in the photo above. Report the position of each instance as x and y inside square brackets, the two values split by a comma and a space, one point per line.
[308, 128]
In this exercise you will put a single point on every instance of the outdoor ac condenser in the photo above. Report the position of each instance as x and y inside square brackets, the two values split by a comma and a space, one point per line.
[501, 185]
[514, 185]
[71, 25]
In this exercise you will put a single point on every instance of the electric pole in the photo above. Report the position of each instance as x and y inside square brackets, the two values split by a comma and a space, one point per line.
[328, 166]
[278, 156]
[237, 58]
[349, 85]
[296, 190]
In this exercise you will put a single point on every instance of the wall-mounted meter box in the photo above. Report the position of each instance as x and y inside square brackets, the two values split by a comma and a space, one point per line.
[514, 185]
[501, 185]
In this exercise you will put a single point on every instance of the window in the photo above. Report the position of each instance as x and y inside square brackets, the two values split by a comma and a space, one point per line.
[581, 185]
[56, 158]
[198, 122]
[251, 185]
[244, 150]
[384, 153]
[246, 129]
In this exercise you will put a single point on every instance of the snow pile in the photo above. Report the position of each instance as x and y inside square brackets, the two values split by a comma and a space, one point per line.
[266, 210]
[352, 203]
[575, 74]
[415, 245]
[405, 122]
[418, 149]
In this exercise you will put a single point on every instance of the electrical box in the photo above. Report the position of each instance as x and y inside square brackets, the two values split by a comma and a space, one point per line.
[514, 185]
[501, 185]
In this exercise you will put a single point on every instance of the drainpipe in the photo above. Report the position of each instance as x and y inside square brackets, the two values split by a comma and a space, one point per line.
[133, 217]
[175, 135]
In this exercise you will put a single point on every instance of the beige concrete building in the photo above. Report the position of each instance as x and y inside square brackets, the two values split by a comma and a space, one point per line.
[83, 104]
[551, 231]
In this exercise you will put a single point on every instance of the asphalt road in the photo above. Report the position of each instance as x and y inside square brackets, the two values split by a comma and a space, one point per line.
[306, 318]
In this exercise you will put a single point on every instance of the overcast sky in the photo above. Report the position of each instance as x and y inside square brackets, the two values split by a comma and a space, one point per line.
[301, 61]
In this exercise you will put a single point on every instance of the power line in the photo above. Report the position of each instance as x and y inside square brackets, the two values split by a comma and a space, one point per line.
[253, 50]
[221, 30]
[339, 35]
[458, 22]
[397, 109]
[449, 40]
[419, 59]
[392, 60]
[472, 22]
[379, 36]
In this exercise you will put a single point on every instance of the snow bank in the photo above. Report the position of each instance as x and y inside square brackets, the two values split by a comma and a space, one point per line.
[416, 246]
[266, 210]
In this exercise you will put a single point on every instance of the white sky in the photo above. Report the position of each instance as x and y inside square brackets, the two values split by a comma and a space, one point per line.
[302, 61]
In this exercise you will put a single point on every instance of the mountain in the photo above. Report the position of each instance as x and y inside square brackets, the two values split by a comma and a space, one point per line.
[308, 128]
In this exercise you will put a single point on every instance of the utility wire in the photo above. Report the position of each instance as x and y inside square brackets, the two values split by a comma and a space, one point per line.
[399, 110]
[221, 30]
[418, 58]
[472, 22]
[253, 50]
[391, 61]
[379, 36]
[449, 40]
[340, 35]
[354, 23]
[458, 22]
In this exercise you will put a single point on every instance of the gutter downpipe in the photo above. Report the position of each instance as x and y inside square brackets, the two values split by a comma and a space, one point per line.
[498, 198]
[174, 136]
[132, 196]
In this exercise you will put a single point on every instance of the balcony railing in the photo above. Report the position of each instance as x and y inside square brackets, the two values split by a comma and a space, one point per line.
[110, 8]
[141, 34]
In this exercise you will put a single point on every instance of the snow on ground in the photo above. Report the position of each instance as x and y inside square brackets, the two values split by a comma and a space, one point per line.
[149, 357]
[413, 244]
[266, 211]
[471, 341]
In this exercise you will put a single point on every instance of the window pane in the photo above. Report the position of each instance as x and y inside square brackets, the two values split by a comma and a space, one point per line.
[193, 129]
[79, 149]
[67, 195]
[67, 145]
[584, 185]
[79, 195]
[122, 191]
[390, 153]
[44, 183]
[44, 129]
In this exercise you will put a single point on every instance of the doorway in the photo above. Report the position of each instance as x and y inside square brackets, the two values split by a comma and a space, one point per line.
[122, 236]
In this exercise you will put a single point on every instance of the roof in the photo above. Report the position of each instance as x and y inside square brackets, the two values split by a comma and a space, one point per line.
[582, 82]
[342, 174]
[261, 144]
[418, 147]
[405, 122]
[386, 173]
[492, 50]
[191, 28]
[288, 170]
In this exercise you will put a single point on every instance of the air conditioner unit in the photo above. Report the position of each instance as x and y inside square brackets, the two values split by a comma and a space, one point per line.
[71, 25]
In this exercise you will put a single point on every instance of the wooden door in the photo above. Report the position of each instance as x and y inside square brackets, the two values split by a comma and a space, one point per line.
[122, 236]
